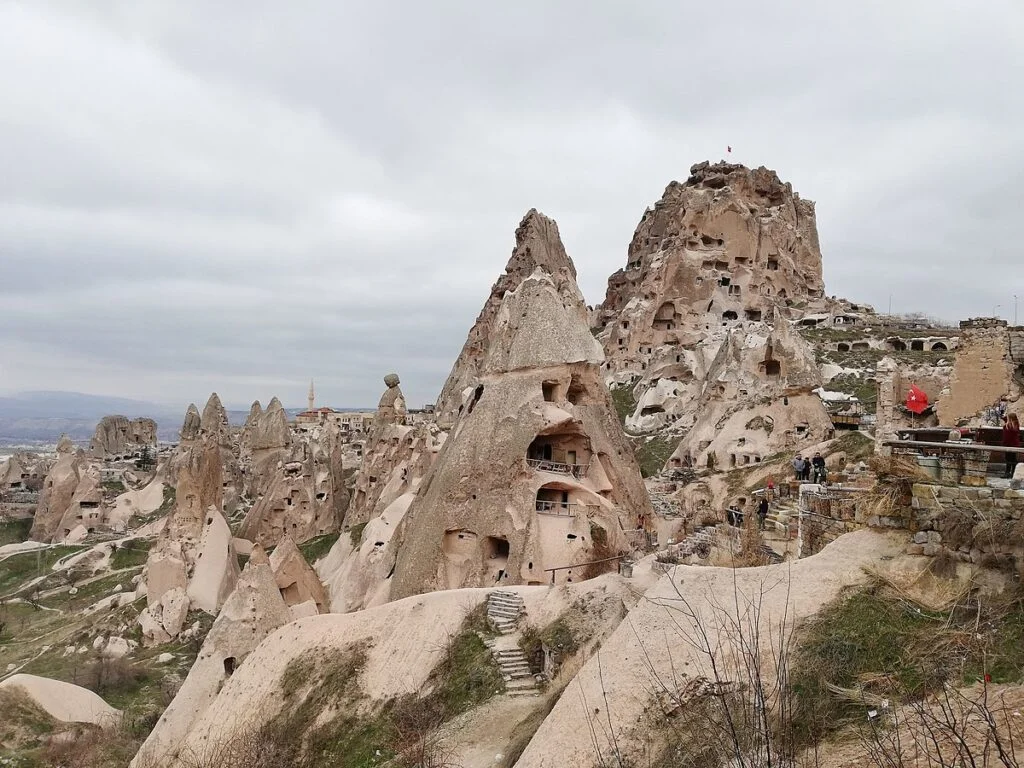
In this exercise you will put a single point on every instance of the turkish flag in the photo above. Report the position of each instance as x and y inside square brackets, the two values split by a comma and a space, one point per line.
[728, 149]
[917, 400]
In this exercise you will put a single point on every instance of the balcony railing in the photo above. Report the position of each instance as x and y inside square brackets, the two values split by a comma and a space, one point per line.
[560, 508]
[546, 465]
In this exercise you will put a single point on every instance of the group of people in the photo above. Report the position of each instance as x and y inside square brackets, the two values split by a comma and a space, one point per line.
[810, 470]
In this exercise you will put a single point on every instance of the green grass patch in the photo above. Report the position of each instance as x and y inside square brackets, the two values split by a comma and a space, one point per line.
[113, 486]
[855, 444]
[860, 387]
[318, 546]
[15, 531]
[557, 636]
[624, 401]
[325, 721]
[131, 554]
[355, 534]
[25, 566]
[891, 648]
[653, 452]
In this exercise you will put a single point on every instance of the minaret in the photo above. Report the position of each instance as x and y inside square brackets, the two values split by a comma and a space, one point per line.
[312, 395]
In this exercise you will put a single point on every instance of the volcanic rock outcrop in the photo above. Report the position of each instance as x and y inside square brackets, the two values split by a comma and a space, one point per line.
[728, 248]
[397, 459]
[756, 399]
[305, 494]
[300, 586]
[536, 474]
[538, 244]
[252, 612]
[121, 436]
[210, 428]
[263, 444]
[58, 491]
[193, 563]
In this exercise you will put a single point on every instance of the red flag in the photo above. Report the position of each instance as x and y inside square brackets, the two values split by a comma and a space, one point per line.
[728, 148]
[917, 400]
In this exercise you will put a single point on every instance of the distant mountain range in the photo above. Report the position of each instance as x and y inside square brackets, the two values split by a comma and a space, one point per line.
[42, 417]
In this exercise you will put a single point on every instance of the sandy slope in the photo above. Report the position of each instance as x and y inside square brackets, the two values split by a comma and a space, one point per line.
[64, 701]
[648, 643]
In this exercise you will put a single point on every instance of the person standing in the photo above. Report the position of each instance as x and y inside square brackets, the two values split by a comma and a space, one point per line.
[798, 467]
[818, 462]
[762, 512]
[1011, 439]
[806, 475]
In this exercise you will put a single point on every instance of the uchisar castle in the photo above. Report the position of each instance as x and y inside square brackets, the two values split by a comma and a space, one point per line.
[697, 524]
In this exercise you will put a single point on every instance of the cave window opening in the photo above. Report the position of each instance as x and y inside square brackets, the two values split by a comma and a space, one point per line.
[917, 345]
[548, 388]
[842, 347]
[729, 315]
[576, 391]
[229, 666]
[773, 264]
[477, 394]
[938, 346]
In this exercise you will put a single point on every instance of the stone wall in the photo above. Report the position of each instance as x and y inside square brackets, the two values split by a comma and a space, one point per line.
[982, 373]
[977, 525]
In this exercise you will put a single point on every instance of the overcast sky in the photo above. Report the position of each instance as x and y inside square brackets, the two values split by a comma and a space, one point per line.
[237, 196]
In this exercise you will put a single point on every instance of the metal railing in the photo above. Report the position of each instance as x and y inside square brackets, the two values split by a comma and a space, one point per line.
[546, 465]
[559, 508]
[569, 568]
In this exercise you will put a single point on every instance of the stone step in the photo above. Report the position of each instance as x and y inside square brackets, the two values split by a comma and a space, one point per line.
[507, 653]
[518, 685]
[516, 674]
[503, 612]
[534, 692]
[512, 598]
[504, 606]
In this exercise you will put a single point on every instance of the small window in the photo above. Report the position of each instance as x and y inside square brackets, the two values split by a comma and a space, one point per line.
[548, 389]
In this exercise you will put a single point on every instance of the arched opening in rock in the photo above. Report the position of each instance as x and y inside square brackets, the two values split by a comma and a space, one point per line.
[897, 345]
[752, 314]
[548, 388]
[565, 452]
[496, 553]
[650, 410]
[917, 345]
[729, 315]
[861, 346]
[477, 394]
[229, 666]
[554, 499]
[938, 346]
[576, 392]
[842, 347]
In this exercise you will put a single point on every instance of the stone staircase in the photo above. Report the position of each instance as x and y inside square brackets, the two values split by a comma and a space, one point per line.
[781, 519]
[504, 609]
[700, 540]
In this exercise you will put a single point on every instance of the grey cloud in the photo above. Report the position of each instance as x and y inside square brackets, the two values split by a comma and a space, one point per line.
[237, 196]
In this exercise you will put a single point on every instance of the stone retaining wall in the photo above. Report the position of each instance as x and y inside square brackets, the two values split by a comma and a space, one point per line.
[975, 524]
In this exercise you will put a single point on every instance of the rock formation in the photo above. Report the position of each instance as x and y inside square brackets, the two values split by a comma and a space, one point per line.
[120, 436]
[57, 493]
[756, 400]
[536, 473]
[303, 492]
[192, 423]
[537, 244]
[211, 427]
[263, 444]
[727, 248]
[359, 564]
[298, 583]
[395, 457]
[252, 612]
[193, 562]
